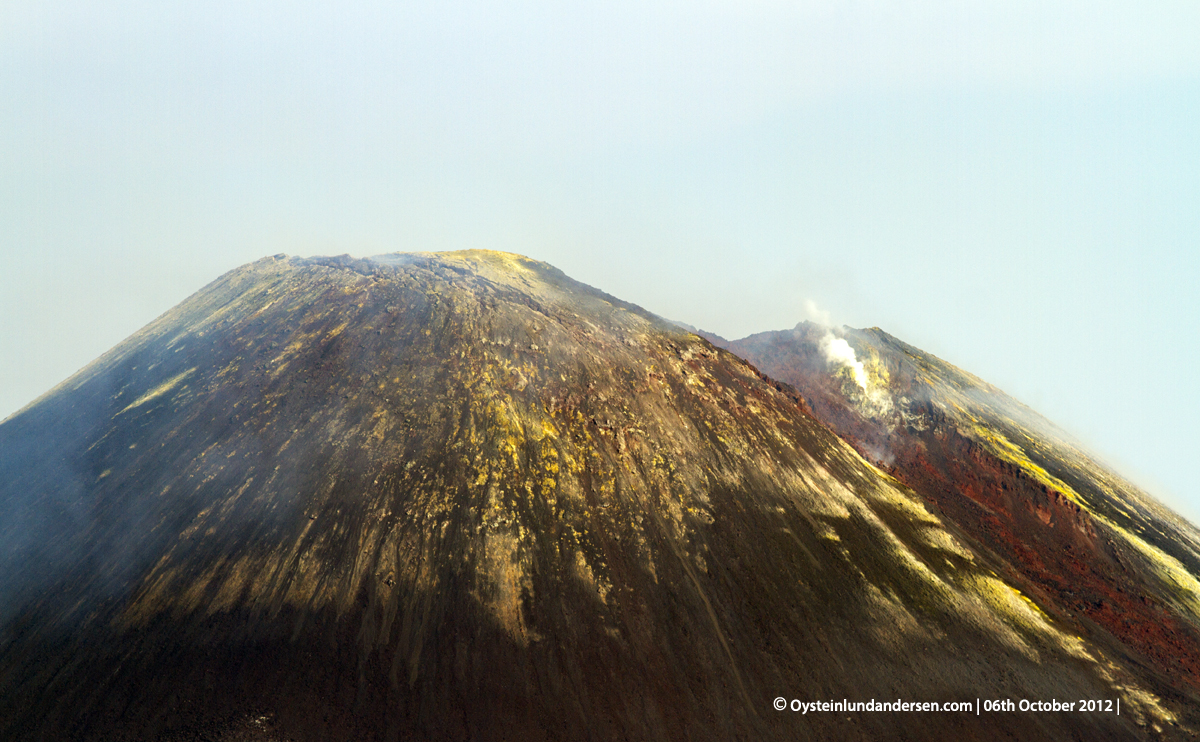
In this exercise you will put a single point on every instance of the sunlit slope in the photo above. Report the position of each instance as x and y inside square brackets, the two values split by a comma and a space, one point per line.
[1098, 552]
[461, 496]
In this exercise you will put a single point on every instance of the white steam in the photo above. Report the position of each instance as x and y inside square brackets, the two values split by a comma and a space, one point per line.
[836, 350]
[816, 314]
[839, 352]
[874, 401]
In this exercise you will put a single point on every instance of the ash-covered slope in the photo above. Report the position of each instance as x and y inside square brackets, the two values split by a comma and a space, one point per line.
[1097, 553]
[461, 496]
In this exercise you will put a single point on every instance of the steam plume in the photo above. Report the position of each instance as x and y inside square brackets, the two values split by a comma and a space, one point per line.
[835, 349]
[838, 351]
[816, 314]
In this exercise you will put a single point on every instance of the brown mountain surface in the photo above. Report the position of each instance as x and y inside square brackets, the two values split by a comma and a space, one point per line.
[1096, 552]
[461, 496]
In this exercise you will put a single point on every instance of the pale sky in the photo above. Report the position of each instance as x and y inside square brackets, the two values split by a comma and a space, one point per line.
[1012, 186]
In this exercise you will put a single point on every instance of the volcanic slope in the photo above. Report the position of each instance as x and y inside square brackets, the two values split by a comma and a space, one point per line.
[461, 496]
[1097, 553]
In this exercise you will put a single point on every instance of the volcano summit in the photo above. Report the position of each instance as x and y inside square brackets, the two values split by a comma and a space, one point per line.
[462, 496]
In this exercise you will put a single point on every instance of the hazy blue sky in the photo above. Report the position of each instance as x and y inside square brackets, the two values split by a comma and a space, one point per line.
[1013, 186]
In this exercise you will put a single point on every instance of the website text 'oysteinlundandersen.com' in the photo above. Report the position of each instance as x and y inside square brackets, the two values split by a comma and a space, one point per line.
[976, 706]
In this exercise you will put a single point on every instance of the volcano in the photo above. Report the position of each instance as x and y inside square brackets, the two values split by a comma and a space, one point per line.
[462, 496]
[1096, 551]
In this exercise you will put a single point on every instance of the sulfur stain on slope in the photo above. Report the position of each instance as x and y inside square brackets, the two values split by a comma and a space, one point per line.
[158, 391]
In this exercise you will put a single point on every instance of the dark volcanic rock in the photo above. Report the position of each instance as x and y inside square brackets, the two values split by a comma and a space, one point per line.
[462, 496]
[1096, 552]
